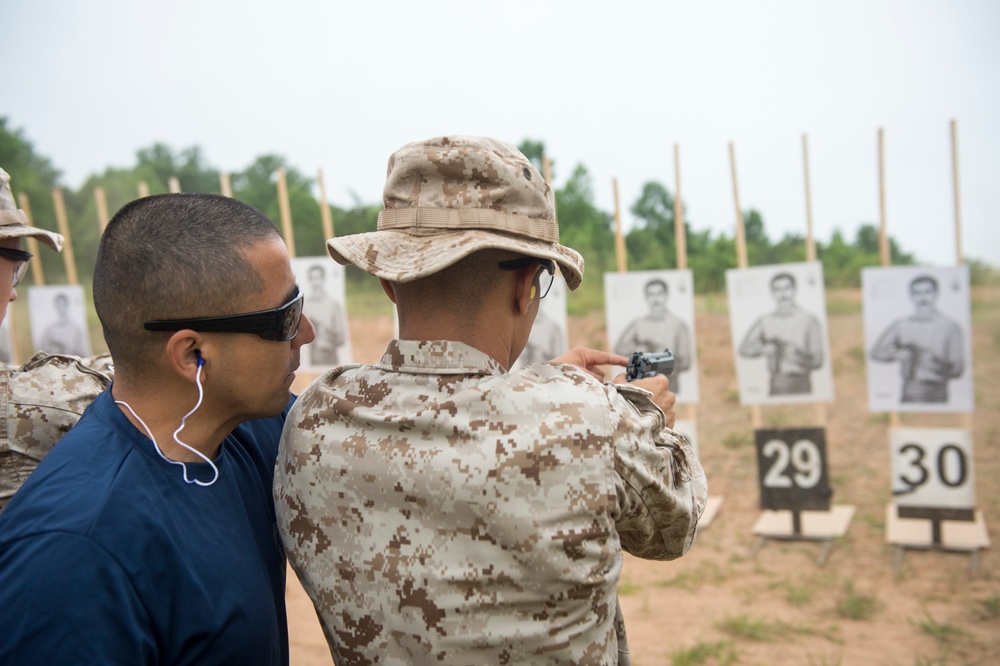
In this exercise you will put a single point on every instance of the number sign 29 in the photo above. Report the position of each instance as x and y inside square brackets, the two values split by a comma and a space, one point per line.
[791, 463]
[932, 467]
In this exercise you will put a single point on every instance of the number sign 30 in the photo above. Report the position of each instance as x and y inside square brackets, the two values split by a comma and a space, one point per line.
[932, 467]
[791, 464]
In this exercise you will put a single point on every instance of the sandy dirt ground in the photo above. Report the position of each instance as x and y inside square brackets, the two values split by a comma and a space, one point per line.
[719, 604]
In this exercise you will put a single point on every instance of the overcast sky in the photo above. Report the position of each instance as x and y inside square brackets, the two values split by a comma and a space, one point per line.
[611, 85]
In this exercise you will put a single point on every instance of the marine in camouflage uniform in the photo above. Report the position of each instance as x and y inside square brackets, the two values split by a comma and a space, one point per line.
[437, 507]
[42, 399]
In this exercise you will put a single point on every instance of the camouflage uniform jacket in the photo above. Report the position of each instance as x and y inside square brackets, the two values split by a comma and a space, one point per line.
[39, 403]
[438, 509]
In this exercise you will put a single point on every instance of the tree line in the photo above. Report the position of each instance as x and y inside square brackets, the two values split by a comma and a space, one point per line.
[651, 243]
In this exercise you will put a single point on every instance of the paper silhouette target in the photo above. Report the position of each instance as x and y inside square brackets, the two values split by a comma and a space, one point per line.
[778, 319]
[321, 281]
[58, 319]
[649, 311]
[918, 339]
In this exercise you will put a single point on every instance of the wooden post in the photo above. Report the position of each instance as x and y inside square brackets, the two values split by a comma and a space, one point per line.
[101, 199]
[680, 231]
[60, 206]
[324, 209]
[286, 212]
[225, 187]
[174, 185]
[966, 418]
[954, 185]
[810, 238]
[37, 273]
[15, 345]
[741, 239]
[143, 189]
[547, 173]
[741, 257]
[619, 237]
[680, 237]
[810, 242]
[883, 236]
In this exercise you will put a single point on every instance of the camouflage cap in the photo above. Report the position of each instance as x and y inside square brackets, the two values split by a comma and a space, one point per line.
[450, 196]
[14, 223]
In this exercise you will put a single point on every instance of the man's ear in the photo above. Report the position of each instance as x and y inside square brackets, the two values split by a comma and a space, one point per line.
[389, 290]
[186, 350]
[525, 291]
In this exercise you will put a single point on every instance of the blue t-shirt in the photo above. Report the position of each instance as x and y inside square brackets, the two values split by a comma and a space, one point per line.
[108, 557]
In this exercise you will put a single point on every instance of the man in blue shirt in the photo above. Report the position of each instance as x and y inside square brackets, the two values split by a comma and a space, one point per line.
[147, 535]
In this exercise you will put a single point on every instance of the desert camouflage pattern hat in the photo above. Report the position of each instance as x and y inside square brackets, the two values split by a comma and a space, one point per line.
[14, 223]
[450, 196]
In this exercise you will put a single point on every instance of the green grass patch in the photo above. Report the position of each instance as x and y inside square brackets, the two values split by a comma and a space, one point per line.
[769, 631]
[722, 652]
[754, 629]
[857, 354]
[941, 632]
[855, 605]
[627, 588]
[707, 572]
[588, 298]
[799, 595]
[365, 298]
[987, 609]
[842, 306]
[824, 660]
[736, 440]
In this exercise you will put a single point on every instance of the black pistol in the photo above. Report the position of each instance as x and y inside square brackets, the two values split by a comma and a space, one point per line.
[647, 364]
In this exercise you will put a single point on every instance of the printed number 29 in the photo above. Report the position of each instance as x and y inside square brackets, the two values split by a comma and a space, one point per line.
[804, 459]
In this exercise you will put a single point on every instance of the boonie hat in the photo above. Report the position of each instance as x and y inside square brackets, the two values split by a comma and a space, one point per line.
[450, 196]
[14, 223]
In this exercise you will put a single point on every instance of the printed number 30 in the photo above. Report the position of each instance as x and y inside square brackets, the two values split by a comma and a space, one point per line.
[916, 462]
[804, 457]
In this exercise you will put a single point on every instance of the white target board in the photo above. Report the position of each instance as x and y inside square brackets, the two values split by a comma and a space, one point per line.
[58, 316]
[918, 338]
[777, 315]
[6, 343]
[649, 311]
[932, 467]
[322, 283]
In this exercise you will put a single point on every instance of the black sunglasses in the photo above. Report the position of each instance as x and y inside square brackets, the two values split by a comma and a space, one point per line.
[548, 276]
[19, 257]
[279, 324]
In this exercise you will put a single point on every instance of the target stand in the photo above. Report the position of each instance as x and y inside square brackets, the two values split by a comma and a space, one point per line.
[934, 528]
[822, 526]
[712, 506]
[934, 484]
[795, 492]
